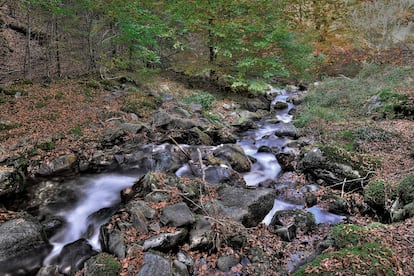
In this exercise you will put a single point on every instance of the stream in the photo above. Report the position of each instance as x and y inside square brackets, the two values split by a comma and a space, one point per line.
[84, 218]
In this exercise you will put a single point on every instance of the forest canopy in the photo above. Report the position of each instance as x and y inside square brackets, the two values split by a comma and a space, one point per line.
[237, 42]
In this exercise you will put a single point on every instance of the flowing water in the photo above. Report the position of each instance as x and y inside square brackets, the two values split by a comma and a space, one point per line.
[104, 191]
[99, 193]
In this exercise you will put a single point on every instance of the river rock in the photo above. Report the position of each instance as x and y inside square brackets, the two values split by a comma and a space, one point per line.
[62, 164]
[22, 247]
[286, 233]
[196, 136]
[133, 128]
[112, 241]
[177, 215]
[201, 235]
[11, 180]
[280, 105]
[257, 103]
[166, 121]
[235, 157]
[244, 205]
[165, 241]
[102, 264]
[155, 264]
[319, 165]
[73, 256]
[287, 160]
[225, 263]
[180, 269]
[303, 220]
[244, 124]
[286, 129]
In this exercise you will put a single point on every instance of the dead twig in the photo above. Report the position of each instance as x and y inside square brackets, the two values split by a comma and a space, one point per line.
[181, 149]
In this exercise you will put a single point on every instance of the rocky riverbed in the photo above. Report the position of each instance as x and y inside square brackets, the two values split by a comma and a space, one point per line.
[183, 191]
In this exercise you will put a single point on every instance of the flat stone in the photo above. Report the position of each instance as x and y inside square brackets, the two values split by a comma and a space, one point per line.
[177, 215]
[155, 264]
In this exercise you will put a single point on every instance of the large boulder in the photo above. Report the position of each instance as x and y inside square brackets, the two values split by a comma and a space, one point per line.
[331, 166]
[177, 215]
[62, 164]
[165, 241]
[22, 247]
[244, 205]
[155, 264]
[234, 156]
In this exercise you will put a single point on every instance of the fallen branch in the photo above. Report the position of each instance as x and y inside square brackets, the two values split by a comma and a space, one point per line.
[351, 180]
[181, 149]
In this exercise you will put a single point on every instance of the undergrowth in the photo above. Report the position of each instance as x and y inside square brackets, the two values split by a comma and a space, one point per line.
[342, 98]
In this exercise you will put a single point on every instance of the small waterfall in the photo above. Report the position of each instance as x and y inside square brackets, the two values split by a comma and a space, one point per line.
[99, 193]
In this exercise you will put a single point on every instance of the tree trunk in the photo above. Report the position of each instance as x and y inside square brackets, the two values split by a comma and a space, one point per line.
[211, 48]
[27, 57]
[58, 64]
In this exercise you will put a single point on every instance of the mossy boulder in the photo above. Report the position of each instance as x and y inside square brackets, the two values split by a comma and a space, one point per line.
[356, 251]
[234, 156]
[405, 189]
[102, 264]
[375, 194]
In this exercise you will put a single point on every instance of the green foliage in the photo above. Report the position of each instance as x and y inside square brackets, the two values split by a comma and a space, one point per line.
[49, 145]
[405, 189]
[59, 95]
[7, 126]
[204, 98]
[77, 131]
[240, 39]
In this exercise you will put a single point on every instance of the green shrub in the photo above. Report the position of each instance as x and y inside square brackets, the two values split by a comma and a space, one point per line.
[204, 98]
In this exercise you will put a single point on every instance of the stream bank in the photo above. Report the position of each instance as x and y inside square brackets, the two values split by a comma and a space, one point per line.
[145, 227]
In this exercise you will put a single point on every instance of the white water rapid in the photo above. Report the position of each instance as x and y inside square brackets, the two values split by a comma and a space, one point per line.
[99, 193]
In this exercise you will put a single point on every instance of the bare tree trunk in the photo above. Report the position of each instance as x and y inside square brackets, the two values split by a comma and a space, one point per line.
[59, 69]
[27, 57]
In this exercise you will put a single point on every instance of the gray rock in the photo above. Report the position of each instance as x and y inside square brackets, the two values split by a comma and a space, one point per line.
[22, 248]
[73, 256]
[244, 205]
[163, 120]
[177, 215]
[257, 103]
[201, 235]
[185, 258]
[141, 206]
[11, 180]
[303, 220]
[155, 264]
[112, 241]
[319, 166]
[195, 107]
[180, 269]
[50, 270]
[102, 264]
[287, 129]
[18, 236]
[196, 136]
[286, 160]
[286, 233]
[165, 241]
[225, 263]
[61, 164]
[235, 156]
[133, 128]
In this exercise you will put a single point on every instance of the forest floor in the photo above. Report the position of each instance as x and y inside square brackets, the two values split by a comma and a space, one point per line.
[45, 121]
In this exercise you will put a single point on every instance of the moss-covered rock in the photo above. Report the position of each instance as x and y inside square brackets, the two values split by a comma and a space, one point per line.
[405, 189]
[356, 251]
[102, 264]
[369, 258]
[375, 194]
